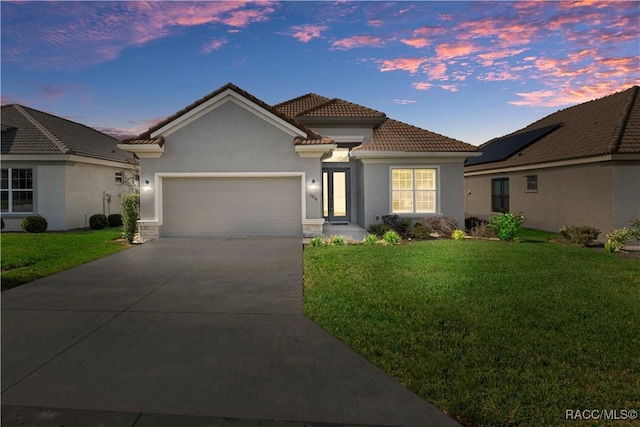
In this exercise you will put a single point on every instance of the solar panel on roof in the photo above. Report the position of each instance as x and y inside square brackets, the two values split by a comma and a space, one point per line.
[503, 148]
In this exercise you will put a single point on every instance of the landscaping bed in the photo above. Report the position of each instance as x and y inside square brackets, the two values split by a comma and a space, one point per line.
[30, 256]
[492, 333]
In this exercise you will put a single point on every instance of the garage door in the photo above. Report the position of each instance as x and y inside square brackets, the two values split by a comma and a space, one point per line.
[231, 207]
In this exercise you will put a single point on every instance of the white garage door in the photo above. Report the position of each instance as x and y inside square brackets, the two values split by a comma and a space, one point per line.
[231, 207]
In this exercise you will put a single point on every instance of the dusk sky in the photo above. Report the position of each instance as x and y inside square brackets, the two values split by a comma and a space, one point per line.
[468, 70]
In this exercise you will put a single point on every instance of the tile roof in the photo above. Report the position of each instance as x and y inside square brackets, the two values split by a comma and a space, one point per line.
[229, 86]
[159, 141]
[29, 131]
[295, 106]
[603, 126]
[312, 105]
[393, 135]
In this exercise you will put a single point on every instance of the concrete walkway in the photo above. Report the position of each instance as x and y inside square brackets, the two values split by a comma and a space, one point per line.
[187, 332]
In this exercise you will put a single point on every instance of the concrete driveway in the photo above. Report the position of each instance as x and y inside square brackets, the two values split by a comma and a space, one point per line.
[187, 332]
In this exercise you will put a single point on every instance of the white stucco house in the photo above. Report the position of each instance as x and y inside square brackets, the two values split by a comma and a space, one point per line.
[59, 169]
[230, 164]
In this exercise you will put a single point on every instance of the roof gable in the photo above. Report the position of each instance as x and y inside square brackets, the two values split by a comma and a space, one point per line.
[29, 131]
[227, 93]
[605, 126]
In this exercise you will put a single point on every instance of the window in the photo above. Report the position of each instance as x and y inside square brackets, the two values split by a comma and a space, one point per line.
[16, 190]
[532, 183]
[119, 177]
[413, 191]
[500, 195]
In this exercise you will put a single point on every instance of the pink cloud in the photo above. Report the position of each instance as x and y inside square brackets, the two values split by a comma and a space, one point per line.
[489, 58]
[422, 85]
[214, 45]
[416, 42]
[357, 41]
[308, 32]
[450, 88]
[437, 71]
[412, 65]
[455, 49]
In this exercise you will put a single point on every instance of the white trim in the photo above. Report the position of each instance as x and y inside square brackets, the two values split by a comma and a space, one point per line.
[347, 138]
[574, 162]
[316, 150]
[438, 211]
[7, 158]
[144, 151]
[159, 176]
[222, 98]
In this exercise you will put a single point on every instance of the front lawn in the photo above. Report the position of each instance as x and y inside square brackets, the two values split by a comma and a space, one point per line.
[492, 333]
[30, 256]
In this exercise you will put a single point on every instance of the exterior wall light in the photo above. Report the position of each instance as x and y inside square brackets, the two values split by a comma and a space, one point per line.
[313, 185]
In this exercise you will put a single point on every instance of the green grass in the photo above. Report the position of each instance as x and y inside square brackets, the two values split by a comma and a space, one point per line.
[27, 256]
[492, 333]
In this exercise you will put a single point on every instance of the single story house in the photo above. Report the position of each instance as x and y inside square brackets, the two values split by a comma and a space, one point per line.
[59, 169]
[230, 164]
[578, 166]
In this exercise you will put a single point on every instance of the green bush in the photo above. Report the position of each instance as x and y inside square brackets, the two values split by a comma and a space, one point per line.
[458, 234]
[130, 203]
[379, 229]
[635, 229]
[618, 238]
[581, 234]
[397, 224]
[98, 222]
[115, 220]
[337, 241]
[391, 237]
[371, 239]
[34, 224]
[443, 225]
[421, 231]
[506, 225]
[317, 241]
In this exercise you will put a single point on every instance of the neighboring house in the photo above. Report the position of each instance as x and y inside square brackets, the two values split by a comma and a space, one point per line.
[59, 169]
[578, 166]
[229, 164]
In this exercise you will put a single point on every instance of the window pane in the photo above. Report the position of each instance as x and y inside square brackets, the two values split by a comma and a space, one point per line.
[425, 201]
[22, 201]
[4, 201]
[425, 179]
[402, 179]
[497, 187]
[339, 193]
[402, 201]
[5, 179]
[532, 182]
[21, 179]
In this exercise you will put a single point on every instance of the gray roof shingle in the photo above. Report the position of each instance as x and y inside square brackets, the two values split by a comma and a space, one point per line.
[29, 131]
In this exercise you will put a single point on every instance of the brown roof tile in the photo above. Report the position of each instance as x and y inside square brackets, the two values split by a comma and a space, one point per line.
[603, 126]
[393, 135]
[295, 106]
[340, 108]
[136, 141]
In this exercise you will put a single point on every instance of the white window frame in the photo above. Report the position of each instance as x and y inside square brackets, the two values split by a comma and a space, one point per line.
[527, 182]
[10, 191]
[119, 177]
[413, 169]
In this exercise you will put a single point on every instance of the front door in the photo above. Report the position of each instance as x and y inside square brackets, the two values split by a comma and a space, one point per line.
[335, 195]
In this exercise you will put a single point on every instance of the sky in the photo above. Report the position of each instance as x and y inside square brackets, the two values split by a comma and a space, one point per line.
[470, 70]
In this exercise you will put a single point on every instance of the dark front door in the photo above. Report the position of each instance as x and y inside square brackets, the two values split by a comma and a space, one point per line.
[335, 195]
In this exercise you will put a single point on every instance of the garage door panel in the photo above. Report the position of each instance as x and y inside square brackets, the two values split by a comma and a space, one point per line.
[231, 206]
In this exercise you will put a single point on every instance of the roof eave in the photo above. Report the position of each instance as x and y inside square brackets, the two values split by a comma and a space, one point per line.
[371, 154]
[144, 151]
[341, 120]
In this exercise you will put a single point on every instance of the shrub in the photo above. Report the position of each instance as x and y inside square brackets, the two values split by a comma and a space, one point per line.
[34, 224]
[130, 203]
[618, 238]
[371, 239]
[391, 237]
[397, 224]
[635, 229]
[443, 225]
[582, 234]
[317, 241]
[506, 225]
[609, 248]
[337, 241]
[472, 221]
[379, 229]
[458, 234]
[98, 222]
[482, 231]
[421, 231]
[115, 220]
